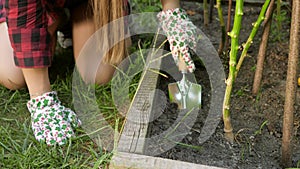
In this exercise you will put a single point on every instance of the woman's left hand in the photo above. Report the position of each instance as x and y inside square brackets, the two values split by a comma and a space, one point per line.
[181, 33]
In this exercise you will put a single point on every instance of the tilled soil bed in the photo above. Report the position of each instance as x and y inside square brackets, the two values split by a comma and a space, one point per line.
[257, 120]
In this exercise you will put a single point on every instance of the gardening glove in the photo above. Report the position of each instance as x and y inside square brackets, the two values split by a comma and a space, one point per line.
[51, 122]
[181, 33]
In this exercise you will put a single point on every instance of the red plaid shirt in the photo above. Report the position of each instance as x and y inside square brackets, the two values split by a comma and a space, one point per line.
[2, 12]
[27, 22]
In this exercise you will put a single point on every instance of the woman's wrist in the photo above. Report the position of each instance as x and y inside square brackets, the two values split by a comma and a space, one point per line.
[170, 4]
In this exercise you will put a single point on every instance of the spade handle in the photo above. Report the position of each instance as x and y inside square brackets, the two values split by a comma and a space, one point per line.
[181, 64]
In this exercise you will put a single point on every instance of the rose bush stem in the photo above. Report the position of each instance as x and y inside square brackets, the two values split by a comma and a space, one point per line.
[234, 34]
[291, 84]
[256, 25]
[222, 25]
[262, 49]
[233, 66]
[205, 12]
[278, 10]
[228, 25]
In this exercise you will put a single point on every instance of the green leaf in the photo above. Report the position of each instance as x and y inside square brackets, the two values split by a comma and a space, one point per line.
[181, 44]
[52, 141]
[46, 101]
[64, 127]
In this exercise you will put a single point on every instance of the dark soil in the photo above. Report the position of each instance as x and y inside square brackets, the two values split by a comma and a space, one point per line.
[257, 120]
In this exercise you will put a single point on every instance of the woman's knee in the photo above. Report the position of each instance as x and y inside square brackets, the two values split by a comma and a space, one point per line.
[10, 76]
[13, 84]
[101, 75]
[104, 74]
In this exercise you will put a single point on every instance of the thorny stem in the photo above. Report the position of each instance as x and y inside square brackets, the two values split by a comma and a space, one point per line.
[233, 68]
[228, 25]
[234, 34]
[205, 12]
[278, 14]
[262, 49]
[222, 24]
[290, 93]
[256, 25]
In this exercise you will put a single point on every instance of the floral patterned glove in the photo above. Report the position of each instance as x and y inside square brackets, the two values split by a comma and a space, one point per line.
[51, 122]
[181, 34]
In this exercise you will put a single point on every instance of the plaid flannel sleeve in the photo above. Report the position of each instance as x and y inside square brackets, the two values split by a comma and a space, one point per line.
[27, 22]
[27, 26]
[2, 12]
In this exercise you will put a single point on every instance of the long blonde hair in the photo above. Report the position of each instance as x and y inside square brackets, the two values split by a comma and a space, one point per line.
[104, 12]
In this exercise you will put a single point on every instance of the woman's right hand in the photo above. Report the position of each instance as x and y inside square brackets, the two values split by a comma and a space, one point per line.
[51, 122]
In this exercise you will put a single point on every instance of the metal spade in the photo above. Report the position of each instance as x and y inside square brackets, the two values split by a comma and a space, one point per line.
[185, 94]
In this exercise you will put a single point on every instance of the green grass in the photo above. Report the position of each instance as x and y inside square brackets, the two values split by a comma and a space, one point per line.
[277, 32]
[18, 147]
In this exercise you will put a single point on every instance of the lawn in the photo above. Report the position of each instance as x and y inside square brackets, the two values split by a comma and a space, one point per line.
[263, 113]
[18, 147]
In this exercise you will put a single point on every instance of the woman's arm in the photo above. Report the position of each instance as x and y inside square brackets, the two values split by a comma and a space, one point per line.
[179, 29]
[170, 4]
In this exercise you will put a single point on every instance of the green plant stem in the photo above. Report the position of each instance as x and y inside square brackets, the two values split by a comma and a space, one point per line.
[256, 25]
[263, 48]
[234, 34]
[222, 24]
[279, 25]
[205, 12]
[233, 68]
[291, 88]
[228, 25]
